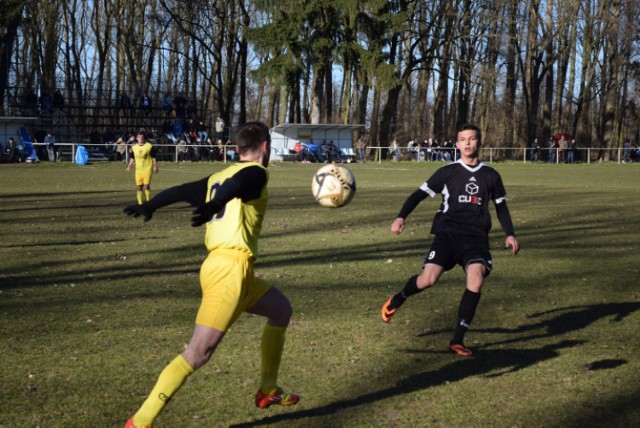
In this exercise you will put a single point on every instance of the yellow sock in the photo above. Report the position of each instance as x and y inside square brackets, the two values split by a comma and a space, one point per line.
[139, 196]
[147, 193]
[272, 346]
[169, 382]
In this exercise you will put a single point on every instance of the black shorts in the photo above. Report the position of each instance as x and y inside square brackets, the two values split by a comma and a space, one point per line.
[448, 250]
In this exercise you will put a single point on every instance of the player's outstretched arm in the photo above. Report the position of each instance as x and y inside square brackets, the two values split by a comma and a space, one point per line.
[397, 226]
[139, 210]
[409, 205]
[512, 242]
[192, 193]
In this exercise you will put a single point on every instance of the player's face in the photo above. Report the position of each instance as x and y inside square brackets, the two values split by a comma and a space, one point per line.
[468, 144]
[140, 139]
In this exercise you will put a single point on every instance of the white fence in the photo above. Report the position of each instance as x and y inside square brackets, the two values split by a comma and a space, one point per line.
[498, 154]
[171, 152]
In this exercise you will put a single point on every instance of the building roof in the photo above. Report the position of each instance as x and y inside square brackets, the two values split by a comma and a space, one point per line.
[319, 127]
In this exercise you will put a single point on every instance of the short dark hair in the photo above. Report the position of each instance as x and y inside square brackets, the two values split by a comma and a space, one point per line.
[470, 127]
[251, 135]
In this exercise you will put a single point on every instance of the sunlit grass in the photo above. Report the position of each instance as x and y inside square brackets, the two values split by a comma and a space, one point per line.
[94, 304]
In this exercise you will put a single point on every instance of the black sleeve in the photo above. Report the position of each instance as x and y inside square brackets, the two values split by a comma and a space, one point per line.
[249, 183]
[505, 218]
[194, 193]
[246, 184]
[412, 202]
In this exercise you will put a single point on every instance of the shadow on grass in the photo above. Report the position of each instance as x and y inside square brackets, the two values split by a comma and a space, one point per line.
[506, 359]
[488, 362]
[565, 320]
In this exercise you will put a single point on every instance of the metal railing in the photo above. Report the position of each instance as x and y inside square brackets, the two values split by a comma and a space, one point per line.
[497, 154]
[487, 154]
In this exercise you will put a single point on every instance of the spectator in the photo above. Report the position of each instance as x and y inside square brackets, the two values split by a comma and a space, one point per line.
[411, 149]
[50, 143]
[10, 151]
[635, 154]
[563, 144]
[553, 146]
[535, 151]
[324, 151]
[361, 145]
[211, 150]
[571, 151]
[394, 151]
[435, 152]
[184, 152]
[334, 152]
[446, 150]
[202, 131]
[231, 151]
[146, 104]
[220, 127]
[58, 100]
[301, 156]
[626, 151]
[426, 149]
[121, 149]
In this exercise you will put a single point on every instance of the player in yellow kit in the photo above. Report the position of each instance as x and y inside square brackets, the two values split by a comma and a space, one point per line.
[232, 203]
[144, 158]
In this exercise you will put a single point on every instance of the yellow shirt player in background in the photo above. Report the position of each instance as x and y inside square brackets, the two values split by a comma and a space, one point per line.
[144, 157]
[232, 203]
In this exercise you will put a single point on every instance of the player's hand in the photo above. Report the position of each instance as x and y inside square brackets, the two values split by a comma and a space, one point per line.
[512, 242]
[202, 214]
[138, 210]
[397, 226]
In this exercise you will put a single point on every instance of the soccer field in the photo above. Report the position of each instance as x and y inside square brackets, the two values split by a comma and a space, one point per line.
[94, 304]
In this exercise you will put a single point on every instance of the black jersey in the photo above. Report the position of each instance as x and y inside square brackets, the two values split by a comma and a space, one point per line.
[466, 192]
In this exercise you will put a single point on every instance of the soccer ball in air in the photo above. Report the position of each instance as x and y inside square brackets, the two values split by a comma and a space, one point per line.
[333, 186]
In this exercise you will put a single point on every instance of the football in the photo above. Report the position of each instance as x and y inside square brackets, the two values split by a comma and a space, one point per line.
[333, 186]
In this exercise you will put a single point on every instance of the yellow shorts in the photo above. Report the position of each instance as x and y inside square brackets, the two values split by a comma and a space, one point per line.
[143, 178]
[229, 288]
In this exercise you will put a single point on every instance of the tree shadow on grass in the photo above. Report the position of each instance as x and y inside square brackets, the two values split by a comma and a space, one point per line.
[564, 320]
[504, 361]
[488, 362]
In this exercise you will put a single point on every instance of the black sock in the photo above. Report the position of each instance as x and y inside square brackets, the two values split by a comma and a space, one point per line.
[466, 311]
[409, 289]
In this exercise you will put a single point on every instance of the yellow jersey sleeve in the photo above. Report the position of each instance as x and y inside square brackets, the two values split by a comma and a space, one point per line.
[237, 226]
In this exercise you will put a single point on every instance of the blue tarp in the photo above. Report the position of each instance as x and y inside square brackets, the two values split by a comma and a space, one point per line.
[28, 144]
[82, 155]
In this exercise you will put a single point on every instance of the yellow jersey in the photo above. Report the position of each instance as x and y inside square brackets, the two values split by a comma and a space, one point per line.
[237, 226]
[143, 154]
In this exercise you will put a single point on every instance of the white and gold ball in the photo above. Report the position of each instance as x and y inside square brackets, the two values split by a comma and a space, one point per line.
[333, 186]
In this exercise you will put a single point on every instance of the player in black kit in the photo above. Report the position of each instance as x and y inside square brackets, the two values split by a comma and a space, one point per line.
[461, 228]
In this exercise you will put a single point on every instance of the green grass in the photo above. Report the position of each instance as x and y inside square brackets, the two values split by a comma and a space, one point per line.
[94, 304]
